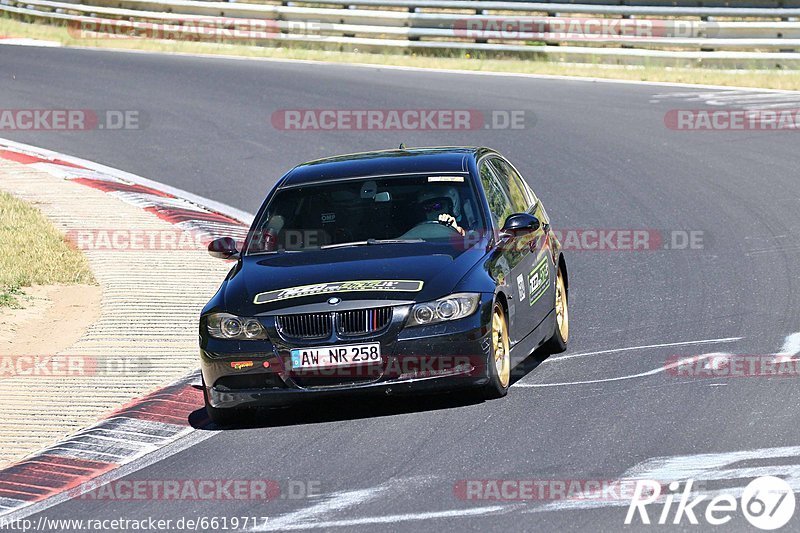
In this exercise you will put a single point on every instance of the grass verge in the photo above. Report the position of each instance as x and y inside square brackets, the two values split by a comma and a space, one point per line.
[770, 79]
[33, 252]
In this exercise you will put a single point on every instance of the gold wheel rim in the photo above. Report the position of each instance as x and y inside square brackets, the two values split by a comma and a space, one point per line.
[502, 359]
[562, 310]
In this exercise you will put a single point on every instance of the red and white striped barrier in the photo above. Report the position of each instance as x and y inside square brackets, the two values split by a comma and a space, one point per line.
[148, 423]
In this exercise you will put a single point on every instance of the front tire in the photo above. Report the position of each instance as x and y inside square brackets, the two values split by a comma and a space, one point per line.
[558, 342]
[221, 417]
[498, 364]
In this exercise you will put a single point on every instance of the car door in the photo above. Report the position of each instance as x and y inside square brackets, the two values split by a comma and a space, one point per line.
[541, 273]
[509, 265]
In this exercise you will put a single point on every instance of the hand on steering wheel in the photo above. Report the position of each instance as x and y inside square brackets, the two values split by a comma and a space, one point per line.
[450, 221]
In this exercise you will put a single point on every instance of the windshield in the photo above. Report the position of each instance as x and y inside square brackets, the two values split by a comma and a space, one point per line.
[369, 211]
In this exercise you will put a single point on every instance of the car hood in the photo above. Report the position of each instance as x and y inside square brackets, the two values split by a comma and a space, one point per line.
[406, 272]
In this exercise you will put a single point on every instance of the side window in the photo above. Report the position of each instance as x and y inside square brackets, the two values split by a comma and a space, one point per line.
[496, 195]
[522, 198]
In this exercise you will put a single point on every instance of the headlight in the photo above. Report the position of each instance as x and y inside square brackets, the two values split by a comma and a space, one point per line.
[450, 307]
[225, 326]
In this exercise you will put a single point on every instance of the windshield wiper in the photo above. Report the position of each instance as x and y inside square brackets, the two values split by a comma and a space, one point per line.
[370, 242]
[393, 241]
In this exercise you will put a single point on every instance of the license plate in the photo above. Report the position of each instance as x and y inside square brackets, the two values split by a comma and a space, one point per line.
[328, 356]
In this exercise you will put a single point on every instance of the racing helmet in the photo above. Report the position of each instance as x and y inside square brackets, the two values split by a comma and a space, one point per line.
[450, 193]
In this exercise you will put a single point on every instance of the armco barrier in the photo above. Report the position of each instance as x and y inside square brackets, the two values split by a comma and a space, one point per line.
[763, 34]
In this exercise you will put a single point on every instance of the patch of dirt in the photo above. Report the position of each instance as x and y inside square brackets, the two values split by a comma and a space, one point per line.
[54, 317]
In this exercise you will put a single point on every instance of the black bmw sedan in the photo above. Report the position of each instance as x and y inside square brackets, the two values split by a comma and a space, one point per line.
[398, 271]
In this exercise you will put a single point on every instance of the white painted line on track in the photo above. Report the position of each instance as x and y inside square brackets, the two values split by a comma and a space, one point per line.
[643, 347]
[790, 348]
[703, 468]
[338, 501]
[653, 372]
[756, 97]
[791, 345]
[750, 100]
[391, 519]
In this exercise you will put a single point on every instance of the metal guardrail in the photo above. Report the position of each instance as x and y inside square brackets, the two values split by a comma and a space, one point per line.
[680, 33]
[604, 7]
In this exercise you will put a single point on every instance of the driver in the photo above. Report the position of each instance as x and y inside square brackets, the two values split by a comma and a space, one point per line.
[441, 204]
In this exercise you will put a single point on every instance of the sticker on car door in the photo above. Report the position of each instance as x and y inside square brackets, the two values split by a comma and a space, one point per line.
[538, 281]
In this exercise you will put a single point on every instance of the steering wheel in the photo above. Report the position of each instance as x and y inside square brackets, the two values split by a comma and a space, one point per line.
[440, 223]
[419, 231]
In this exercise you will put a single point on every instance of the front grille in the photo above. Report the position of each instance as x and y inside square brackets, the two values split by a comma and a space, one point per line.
[348, 323]
[363, 321]
[306, 326]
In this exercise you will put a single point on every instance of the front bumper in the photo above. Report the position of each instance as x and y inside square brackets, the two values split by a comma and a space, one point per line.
[426, 359]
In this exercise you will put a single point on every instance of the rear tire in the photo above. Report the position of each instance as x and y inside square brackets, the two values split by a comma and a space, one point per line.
[498, 364]
[558, 342]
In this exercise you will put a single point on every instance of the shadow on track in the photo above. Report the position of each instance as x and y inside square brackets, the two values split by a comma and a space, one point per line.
[528, 365]
[359, 406]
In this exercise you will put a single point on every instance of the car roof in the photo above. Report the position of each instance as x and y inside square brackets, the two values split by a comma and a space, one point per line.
[384, 163]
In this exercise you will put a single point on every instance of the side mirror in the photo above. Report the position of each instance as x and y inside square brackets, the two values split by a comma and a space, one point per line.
[223, 248]
[519, 224]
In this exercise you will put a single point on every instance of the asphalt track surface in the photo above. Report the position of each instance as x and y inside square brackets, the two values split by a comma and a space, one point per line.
[600, 157]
